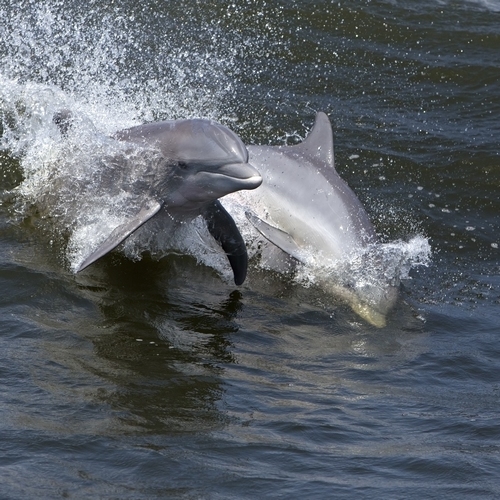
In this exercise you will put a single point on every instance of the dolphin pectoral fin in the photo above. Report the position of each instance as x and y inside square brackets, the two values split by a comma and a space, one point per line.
[121, 233]
[223, 228]
[276, 237]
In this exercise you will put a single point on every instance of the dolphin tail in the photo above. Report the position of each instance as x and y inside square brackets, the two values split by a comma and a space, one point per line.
[223, 228]
[121, 233]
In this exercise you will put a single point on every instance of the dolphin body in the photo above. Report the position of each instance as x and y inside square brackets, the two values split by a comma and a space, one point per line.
[304, 207]
[193, 163]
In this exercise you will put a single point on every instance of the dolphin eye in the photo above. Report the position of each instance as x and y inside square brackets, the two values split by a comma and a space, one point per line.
[182, 164]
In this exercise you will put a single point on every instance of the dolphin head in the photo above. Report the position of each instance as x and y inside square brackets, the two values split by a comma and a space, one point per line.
[211, 159]
[204, 161]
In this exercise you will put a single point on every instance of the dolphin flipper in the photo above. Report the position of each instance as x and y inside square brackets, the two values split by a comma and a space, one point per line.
[276, 237]
[121, 232]
[223, 228]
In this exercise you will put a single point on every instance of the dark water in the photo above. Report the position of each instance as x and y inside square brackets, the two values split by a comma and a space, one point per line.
[157, 378]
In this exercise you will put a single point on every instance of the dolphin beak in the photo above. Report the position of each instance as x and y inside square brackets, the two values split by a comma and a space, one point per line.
[243, 173]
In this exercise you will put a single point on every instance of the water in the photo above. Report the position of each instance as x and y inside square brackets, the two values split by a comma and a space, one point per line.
[156, 378]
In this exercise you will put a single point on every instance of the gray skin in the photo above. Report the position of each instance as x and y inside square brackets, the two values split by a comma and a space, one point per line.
[303, 205]
[198, 161]
[307, 200]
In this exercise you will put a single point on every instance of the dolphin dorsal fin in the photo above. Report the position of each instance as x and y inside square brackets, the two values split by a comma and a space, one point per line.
[319, 142]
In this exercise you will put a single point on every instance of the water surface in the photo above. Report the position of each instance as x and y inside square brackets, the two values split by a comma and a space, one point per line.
[157, 378]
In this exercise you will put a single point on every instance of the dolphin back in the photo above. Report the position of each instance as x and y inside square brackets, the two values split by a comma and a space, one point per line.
[318, 150]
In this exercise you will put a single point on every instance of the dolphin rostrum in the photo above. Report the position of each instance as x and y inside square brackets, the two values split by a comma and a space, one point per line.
[194, 162]
[304, 206]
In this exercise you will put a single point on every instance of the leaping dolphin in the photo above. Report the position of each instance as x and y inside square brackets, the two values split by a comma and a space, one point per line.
[304, 206]
[194, 162]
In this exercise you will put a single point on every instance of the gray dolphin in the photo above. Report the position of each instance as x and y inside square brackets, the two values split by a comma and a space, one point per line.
[307, 199]
[304, 206]
[194, 162]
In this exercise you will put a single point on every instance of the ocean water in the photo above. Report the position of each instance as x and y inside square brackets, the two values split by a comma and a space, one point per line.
[151, 375]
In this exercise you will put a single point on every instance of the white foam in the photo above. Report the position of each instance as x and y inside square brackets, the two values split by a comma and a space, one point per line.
[98, 66]
[55, 58]
[367, 278]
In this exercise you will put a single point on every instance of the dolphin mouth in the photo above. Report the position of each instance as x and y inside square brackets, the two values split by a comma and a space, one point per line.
[242, 173]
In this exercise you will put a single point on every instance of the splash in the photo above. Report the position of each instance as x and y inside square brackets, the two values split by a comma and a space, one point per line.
[112, 70]
[367, 280]
[114, 63]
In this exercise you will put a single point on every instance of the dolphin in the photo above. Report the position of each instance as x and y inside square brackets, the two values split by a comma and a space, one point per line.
[193, 163]
[304, 207]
